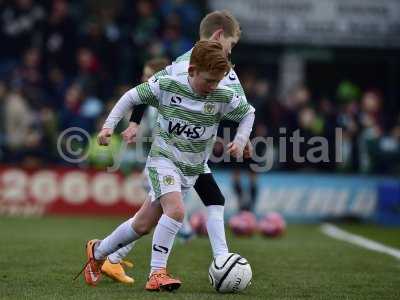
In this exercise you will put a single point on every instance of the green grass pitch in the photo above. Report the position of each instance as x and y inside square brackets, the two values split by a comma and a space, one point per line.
[40, 256]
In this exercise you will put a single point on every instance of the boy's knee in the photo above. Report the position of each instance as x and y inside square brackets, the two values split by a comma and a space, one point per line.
[176, 212]
[173, 206]
[142, 228]
[177, 215]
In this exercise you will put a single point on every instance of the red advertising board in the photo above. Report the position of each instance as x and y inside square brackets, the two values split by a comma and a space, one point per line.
[69, 191]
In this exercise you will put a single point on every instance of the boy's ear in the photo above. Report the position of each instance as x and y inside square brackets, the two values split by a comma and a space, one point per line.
[216, 36]
[191, 70]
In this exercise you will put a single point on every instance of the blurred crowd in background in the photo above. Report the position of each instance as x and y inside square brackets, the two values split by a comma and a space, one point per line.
[64, 64]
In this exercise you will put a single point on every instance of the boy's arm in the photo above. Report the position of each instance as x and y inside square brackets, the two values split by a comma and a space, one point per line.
[145, 93]
[232, 81]
[129, 134]
[239, 110]
[138, 113]
[237, 146]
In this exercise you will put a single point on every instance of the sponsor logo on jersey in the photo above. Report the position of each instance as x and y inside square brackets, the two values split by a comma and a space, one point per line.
[231, 76]
[168, 180]
[209, 108]
[159, 248]
[190, 131]
[176, 100]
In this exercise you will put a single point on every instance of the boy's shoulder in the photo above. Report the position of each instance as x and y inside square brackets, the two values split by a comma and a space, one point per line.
[230, 78]
[185, 57]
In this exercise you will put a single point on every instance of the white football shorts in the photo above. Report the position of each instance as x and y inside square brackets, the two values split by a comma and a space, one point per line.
[164, 177]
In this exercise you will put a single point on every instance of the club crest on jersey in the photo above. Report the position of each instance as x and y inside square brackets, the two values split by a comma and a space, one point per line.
[231, 76]
[209, 108]
[168, 180]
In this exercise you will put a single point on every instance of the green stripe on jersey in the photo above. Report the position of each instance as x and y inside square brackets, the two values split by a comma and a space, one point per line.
[161, 73]
[186, 169]
[173, 86]
[153, 174]
[195, 118]
[221, 95]
[239, 112]
[146, 95]
[180, 144]
[237, 87]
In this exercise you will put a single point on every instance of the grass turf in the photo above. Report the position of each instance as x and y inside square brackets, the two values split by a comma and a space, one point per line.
[40, 256]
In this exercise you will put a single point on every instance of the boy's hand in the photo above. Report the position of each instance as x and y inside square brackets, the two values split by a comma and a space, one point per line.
[129, 134]
[234, 150]
[103, 138]
[248, 150]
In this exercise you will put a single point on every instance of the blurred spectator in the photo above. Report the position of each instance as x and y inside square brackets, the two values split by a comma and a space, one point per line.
[18, 119]
[60, 38]
[187, 10]
[26, 140]
[21, 24]
[260, 101]
[71, 113]
[56, 86]
[146, 23]
[350, 151]
[3, 94]
[372, 142]
[329, 117]
[101, 47]
[174, 42]
[29, 74]
[293, 117]
[89, 69]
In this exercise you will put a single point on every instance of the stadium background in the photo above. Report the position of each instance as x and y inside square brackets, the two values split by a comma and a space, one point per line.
[310, 65]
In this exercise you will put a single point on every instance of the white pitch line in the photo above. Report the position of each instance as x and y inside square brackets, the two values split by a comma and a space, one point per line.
[340, 234]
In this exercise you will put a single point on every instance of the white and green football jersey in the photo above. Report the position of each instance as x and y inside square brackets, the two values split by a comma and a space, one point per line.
[180, 67]
[187, 123]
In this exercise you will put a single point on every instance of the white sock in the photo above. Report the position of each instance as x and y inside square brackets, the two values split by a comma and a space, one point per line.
[163, 239]
[216, 229]
[120, 237]
[120, 254]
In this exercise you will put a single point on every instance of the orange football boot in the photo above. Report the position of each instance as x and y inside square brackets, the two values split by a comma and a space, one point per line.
[116, 271]
[92, 268]
[161, 281]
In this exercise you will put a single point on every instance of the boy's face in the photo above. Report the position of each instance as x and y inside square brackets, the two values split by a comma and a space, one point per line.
[202, 82]
[228, 43]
